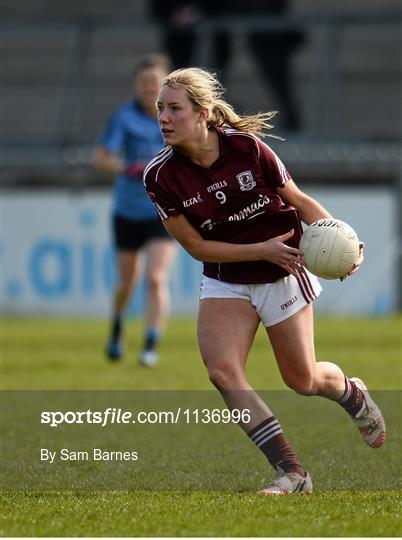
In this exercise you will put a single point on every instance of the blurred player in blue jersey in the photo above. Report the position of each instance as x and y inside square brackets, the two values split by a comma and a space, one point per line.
[131, 138]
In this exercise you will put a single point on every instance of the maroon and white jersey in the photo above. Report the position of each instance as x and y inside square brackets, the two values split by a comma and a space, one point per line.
[236, 200]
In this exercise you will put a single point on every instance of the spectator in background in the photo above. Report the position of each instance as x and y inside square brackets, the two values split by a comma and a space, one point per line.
[272, 49]
[178, 20]
[131, 138]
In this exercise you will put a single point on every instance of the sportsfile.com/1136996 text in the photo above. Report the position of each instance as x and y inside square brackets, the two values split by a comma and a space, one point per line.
[113, 415]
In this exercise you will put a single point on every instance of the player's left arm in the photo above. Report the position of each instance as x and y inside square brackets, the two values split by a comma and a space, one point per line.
[279, 179]
[310, 210]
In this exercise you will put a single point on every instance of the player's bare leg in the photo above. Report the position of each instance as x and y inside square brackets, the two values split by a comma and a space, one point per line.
[292, 341]
[160, 255]
[226, 330]
[129, 267]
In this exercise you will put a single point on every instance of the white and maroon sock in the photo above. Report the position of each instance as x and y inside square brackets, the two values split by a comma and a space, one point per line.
[268, 436]
[352, 400]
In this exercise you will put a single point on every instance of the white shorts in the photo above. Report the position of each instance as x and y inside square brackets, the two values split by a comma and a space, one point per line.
[273, 302]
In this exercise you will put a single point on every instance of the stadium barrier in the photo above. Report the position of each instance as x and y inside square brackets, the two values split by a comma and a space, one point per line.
[57, 257]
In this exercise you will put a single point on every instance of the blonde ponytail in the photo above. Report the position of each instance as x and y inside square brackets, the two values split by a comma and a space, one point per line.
[205, 91]
[223, 114]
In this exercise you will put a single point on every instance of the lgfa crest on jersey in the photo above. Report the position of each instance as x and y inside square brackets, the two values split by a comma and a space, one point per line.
[246, 180]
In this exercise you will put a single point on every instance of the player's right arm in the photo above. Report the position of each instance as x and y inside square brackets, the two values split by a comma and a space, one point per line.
[106, 155]
[107, 162]
[274, 250]
[159, 188]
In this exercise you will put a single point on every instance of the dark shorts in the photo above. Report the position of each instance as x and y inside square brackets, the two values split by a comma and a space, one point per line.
[132, 234]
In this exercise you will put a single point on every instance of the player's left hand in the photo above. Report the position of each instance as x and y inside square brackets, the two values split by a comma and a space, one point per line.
[358, 262]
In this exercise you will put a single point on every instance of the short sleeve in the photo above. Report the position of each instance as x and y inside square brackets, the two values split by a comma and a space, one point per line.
[164, 202]
[113, 136]
[274, 170]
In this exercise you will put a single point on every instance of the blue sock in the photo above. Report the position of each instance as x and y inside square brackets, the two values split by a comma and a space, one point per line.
[116, 328]
[151, 339]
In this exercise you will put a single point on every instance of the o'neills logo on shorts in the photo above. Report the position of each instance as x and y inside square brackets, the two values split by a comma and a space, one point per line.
[287, 304]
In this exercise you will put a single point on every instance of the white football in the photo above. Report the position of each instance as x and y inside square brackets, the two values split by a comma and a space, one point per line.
[330, 248]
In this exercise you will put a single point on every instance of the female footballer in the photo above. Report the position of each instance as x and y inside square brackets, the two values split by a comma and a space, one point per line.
[230, 202]
[131, 138]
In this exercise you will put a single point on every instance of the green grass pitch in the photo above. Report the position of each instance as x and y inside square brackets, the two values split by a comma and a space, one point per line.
[357, 489]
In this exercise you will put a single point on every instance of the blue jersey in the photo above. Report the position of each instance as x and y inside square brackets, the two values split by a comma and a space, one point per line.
[136, 136]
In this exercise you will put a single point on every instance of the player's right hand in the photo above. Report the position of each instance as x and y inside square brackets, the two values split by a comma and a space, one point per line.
[135, 170]
[277, 252]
